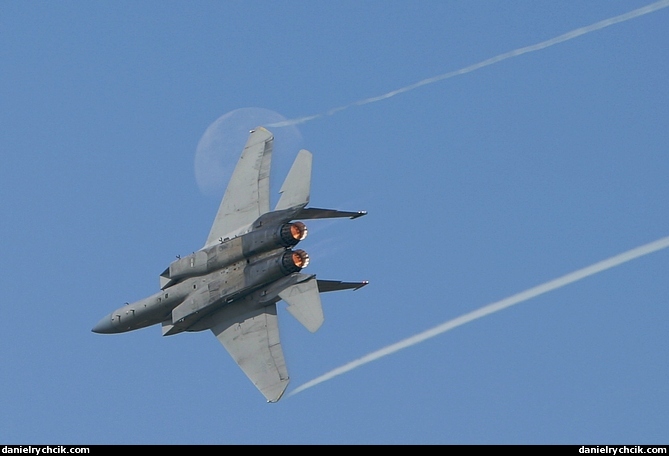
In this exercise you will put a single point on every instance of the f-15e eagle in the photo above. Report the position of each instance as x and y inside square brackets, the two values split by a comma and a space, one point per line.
[248, 264]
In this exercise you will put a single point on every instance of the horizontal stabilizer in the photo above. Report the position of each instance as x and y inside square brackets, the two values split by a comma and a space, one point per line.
[295, 189]
[304, 303]
[315, 213]
[335, 285]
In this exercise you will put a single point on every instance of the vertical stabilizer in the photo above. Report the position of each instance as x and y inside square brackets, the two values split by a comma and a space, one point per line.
[304, 303]
[295, 189]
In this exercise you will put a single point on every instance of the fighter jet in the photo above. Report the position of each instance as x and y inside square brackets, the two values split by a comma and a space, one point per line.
[231, 286]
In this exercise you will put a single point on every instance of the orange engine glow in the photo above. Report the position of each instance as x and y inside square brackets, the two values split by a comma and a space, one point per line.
[300, 258]
[298, 230]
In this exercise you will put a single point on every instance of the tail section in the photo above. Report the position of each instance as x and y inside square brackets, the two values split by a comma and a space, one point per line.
[301, 292]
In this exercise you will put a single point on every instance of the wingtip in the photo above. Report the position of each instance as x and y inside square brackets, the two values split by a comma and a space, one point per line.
[275, 400]
[362, 284]
[260, 128]
[359, 214]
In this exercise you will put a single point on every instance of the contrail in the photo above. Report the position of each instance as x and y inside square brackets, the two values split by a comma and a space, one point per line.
[492, 308]
[507, 55]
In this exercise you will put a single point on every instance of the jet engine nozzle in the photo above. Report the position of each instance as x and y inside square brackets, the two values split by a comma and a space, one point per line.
[294, 260]
[300, 258]
[292, 233]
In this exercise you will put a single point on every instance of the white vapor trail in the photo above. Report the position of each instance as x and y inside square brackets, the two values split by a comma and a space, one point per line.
[492, 308]
[507, 55]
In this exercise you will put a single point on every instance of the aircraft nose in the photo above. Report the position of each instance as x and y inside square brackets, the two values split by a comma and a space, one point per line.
[104, 326]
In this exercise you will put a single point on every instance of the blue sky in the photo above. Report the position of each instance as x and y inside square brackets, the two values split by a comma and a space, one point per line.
[478, 187]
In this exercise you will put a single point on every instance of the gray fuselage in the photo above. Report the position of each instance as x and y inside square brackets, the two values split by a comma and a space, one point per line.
[181, 305]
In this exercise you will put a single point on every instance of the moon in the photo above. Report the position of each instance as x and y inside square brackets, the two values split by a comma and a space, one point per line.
[222, 142]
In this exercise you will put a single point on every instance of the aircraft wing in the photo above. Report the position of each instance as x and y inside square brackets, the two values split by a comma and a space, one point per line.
[247, 195]
[252, 339]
